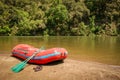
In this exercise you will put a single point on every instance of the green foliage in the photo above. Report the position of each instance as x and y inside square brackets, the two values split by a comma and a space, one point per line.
[5, 29]
[106, 11]
[92, 24]
[59, 17]
[77, 11]
[81, 30]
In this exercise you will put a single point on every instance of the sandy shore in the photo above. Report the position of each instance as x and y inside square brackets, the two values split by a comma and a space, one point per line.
[68, 70]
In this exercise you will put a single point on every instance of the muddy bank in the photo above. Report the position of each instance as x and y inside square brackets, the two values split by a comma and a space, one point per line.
[68, 70]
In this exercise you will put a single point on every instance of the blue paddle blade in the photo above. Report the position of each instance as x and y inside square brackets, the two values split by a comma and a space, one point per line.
[17, 68]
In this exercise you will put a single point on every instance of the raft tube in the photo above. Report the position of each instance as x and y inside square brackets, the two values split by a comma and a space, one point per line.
[23, 51]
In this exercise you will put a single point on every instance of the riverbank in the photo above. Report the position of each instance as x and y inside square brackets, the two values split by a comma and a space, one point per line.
[68, 70]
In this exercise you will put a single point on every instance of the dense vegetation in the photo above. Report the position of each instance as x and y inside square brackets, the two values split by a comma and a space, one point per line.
[59, 17]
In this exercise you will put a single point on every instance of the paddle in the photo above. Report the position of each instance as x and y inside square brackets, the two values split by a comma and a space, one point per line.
[20, 66]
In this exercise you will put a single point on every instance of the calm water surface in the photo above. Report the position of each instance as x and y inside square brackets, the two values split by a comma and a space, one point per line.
[98, 49]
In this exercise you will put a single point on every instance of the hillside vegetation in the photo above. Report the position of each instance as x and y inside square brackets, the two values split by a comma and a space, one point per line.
[59, 17]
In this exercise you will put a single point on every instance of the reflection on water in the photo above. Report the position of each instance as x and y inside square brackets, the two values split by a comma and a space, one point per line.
[99, 49]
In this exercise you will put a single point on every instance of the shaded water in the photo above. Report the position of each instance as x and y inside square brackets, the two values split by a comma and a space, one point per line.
[97, 49]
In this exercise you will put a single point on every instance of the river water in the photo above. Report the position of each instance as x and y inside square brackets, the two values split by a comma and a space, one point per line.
[96, 49]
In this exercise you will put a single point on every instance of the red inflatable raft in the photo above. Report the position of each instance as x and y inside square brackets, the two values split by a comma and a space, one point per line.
[24, 51]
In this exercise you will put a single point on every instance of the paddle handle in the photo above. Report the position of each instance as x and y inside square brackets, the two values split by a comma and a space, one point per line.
[39, 50]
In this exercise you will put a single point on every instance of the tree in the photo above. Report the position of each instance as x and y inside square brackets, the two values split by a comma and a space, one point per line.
[57, 17]
[107, 12]
[77, 11]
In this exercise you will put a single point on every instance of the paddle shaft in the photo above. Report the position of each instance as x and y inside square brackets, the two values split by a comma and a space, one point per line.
[36, 52]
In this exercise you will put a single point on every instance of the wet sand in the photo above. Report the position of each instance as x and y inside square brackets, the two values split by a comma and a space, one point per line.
[67, 70]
